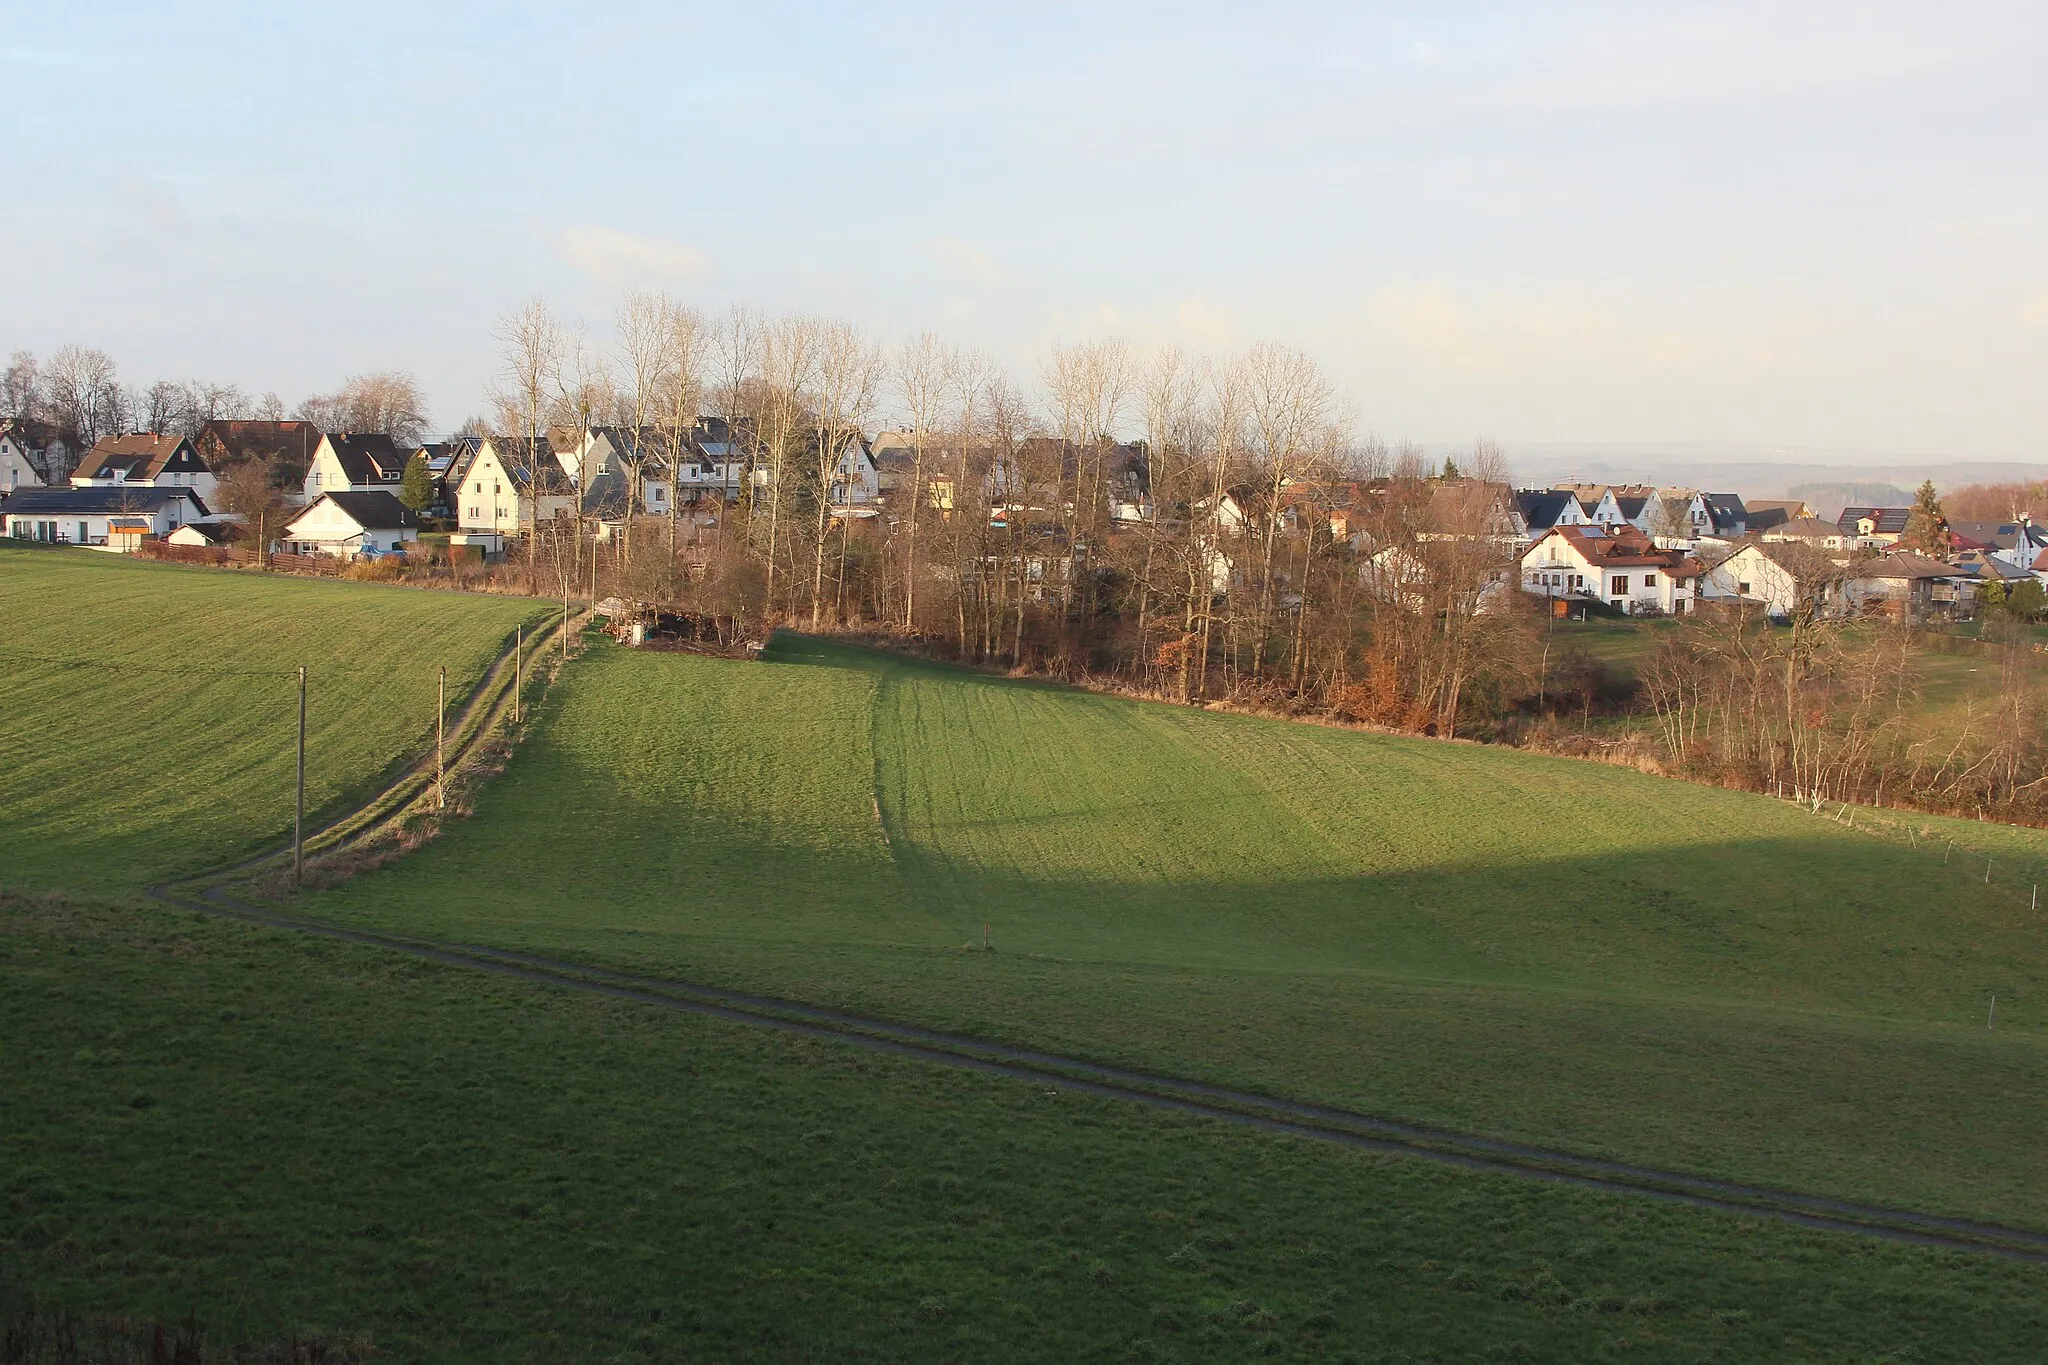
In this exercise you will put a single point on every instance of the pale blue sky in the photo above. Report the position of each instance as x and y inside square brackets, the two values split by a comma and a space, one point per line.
[1819, 224]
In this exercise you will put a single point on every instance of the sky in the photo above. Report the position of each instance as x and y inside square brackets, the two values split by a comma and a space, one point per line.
[1819, 225]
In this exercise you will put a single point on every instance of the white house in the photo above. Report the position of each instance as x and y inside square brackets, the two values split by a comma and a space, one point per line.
[357, 462]
[1624, 569]
[1821, 535]
[856, 482]
[511, 485]
[144, 459]
[85, 516]
[32, 455]
[347, 524]
[1766, 573]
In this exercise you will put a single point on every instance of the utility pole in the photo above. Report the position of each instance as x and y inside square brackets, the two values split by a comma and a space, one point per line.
[299, 812]
[440, 741]
[518, 666]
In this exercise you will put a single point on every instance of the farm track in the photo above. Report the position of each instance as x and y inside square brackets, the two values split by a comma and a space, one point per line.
[475, 721]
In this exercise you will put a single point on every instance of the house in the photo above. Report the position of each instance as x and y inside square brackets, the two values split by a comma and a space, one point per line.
[1541, 509]
[355, 462]
[2015, 544]
[1727, 518]
[1805, 530]
[856, 480]
[207, 534]
[1870, 528]
[144, 459]
[32, 455]
[284, 448]
[1761, 514]
[1902, 584]
[352, 522]
[1624, 569]
[511, 485]
[1777, 575]
[85, 515]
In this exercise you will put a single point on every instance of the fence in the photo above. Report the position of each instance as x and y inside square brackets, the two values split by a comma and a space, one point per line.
[220, 556]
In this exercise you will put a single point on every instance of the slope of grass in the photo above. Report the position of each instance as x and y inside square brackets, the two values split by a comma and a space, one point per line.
[1482, 938]
[280, 1134]
[170, 748]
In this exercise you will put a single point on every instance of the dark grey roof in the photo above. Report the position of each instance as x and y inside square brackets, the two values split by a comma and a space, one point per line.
[1890, 521]
[2003, 535]
[372, 509]
[1727, 511]
[369, 457]
[1631, 507]
[1541, 508]
[99, 500]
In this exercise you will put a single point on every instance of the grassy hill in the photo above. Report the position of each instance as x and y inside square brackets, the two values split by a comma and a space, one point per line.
[151, 715]
[1481, 938]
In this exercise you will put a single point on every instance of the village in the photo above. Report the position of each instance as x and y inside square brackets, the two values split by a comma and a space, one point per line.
[1636, 550]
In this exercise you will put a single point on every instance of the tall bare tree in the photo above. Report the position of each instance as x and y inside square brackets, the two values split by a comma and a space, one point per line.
[924, 369]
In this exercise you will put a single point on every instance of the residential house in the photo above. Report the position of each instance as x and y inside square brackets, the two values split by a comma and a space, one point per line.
[1902, 584]
[144, 459]
[284, 448]
[349, 523]
[1761, 514]
[856, 480]
[355, 462]
[84, 515]
[1775, 575]
[2015, 544]
[32, 455]
[1806, 530]
[1541, 509]
[1728, 518]
[1623, 568]
[1872, 528]
[207, 533]
[511, 485]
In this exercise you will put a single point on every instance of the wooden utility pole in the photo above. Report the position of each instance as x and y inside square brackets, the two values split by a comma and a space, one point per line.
[299, 811]
[518, 664]
[440, 743]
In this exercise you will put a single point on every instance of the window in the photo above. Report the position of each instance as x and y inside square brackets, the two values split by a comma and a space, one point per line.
[1649, 580]
[1742, 588]
[1620, 586]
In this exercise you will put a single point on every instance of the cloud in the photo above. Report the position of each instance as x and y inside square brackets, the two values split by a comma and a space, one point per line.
[962, 259]
[623, 260]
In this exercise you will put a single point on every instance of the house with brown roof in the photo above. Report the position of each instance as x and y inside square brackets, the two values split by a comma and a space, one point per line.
[1622, 568]
[1905, 584]
[144, 459]
[285, 448]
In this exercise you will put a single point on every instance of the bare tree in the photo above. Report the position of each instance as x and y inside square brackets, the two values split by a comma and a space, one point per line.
[924, 369]
[21, 387]
[850, 370]
[247, 491]
[386, 401]
[84, 394]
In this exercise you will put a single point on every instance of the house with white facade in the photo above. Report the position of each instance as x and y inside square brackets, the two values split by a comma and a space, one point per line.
[351, 523]
[510, 485]
[355, 462]
[144, 459]
[86, 515]
[1777, 576]
[856, 481]
[1624, 569]
[1811, 531]
[32, 455]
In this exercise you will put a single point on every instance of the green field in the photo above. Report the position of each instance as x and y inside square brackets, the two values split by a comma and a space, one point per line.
[151, 716]
[492, 1172]
[1484, 939]
[285, 1134]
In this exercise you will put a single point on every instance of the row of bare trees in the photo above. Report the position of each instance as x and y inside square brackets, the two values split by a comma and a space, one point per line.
[77, 393]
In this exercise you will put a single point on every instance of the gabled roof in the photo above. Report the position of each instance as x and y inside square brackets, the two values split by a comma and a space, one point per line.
[373, 509]
[1805, 528]
[236, 441]
[1626, 547]
[1890, 521]
[1727, 511]
[101, 500]
[1997, 535]
[138, 456]
[1903, 564]
[215, 532]
[1542, 507]
[531, 465]
[368, 456]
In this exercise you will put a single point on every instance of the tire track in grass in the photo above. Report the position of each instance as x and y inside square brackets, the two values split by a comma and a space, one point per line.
[1263, 1113]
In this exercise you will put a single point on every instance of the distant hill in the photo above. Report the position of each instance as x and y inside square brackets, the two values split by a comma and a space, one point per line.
[1757, 471]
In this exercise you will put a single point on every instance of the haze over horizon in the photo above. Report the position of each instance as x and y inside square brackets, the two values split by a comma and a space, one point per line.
[1816, 227]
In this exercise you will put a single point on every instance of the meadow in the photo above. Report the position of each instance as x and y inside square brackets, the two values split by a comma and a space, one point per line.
[283, 1135]
[152, 711]
[1485, 939]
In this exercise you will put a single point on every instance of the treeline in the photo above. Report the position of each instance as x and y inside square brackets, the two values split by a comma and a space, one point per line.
[77, 393]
